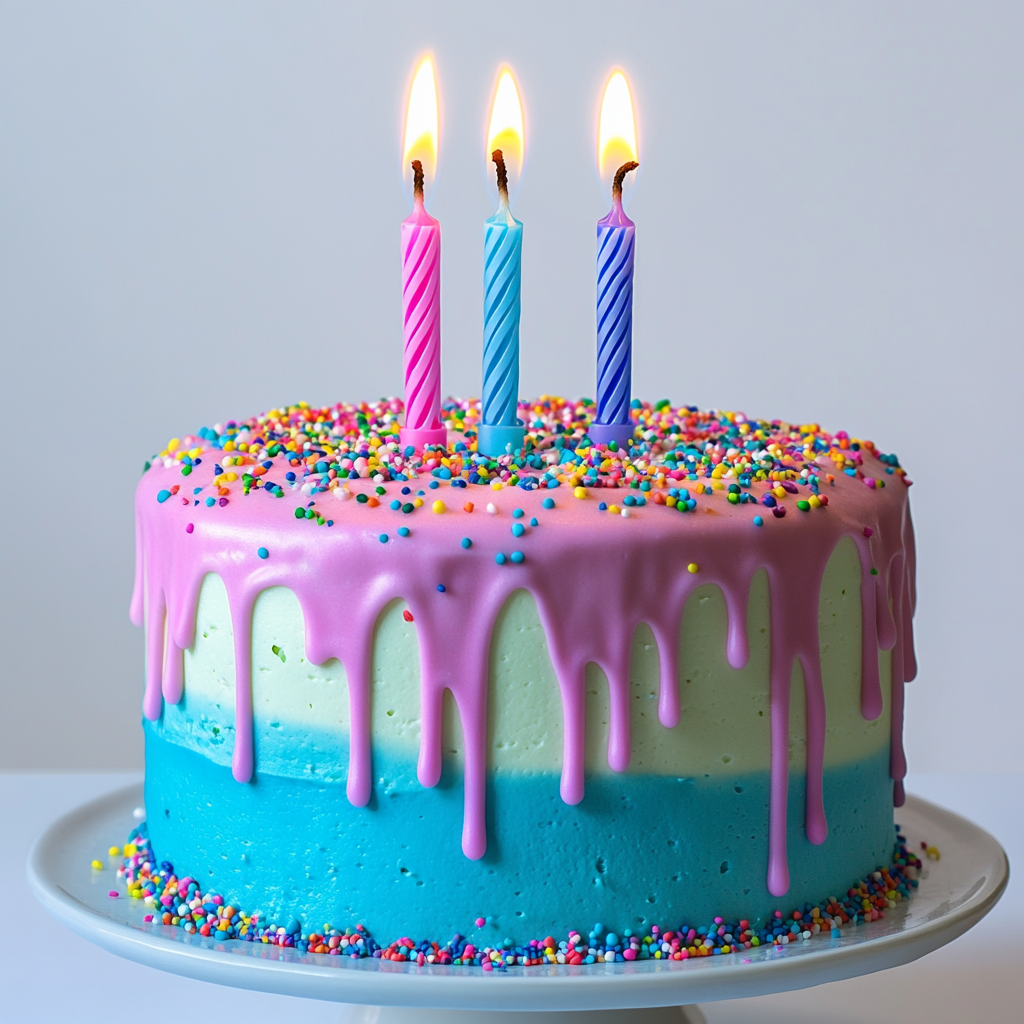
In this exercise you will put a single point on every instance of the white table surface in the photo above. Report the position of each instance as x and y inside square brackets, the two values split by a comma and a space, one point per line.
[49, 974]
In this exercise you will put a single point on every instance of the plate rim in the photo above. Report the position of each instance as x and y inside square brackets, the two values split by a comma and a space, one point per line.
[376, 982]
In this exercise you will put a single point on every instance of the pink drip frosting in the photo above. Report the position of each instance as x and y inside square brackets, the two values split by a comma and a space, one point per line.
[594, 577]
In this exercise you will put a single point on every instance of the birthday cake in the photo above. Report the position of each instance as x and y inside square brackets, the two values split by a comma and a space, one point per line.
[428, 693]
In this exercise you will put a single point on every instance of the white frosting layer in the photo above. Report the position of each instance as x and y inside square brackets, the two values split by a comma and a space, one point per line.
[302, 711]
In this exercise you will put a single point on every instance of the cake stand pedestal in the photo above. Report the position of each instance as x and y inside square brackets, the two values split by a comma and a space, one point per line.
[955, 893]
[405, 1015]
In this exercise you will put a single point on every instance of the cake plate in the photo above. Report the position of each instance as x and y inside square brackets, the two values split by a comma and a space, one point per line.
[955, 893]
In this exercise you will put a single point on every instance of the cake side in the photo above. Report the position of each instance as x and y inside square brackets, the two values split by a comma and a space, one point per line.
[685, 797]
[604, 587]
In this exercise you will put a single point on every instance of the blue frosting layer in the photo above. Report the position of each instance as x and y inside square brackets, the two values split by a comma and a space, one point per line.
[639, 849]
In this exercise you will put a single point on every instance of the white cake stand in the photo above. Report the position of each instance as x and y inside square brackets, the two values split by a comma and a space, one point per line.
[956, 893]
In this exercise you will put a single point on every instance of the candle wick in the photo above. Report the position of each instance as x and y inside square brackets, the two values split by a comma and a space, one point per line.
[499, 164]
[620, 174]
[417, 179]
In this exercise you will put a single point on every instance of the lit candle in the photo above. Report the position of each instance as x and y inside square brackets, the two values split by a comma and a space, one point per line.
[616, 235]
[500, 430]
[421, 275]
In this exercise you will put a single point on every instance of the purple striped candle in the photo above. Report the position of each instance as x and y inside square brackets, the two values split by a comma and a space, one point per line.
[616, 234]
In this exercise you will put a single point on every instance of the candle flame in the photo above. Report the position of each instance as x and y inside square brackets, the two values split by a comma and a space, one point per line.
[616, 137]
[506, 127]
[421, 121]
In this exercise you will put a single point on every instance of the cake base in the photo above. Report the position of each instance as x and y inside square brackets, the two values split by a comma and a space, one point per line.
[958, 891]
[300, 855]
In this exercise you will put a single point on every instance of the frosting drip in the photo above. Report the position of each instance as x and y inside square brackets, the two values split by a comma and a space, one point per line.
[594, 577]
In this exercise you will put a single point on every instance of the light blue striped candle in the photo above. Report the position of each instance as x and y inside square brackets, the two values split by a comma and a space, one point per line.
[501, 430]
[616, 235]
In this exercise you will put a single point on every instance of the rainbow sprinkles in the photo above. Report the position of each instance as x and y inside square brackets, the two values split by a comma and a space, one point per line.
[179, 902]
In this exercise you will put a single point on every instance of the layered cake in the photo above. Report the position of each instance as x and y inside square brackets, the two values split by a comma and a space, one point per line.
[432, 694]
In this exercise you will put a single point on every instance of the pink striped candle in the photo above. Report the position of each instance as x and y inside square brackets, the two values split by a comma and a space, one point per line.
[421, 308]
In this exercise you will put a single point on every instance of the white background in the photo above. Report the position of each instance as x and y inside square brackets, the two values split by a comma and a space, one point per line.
[199, 210]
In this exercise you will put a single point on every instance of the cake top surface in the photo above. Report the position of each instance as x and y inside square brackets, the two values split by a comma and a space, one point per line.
[321, 449]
